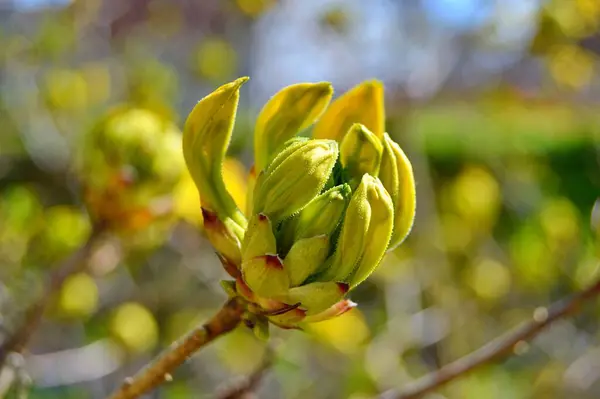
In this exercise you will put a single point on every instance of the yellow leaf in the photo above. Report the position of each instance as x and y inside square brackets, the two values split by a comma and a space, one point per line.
[362, 104]
[292, 109]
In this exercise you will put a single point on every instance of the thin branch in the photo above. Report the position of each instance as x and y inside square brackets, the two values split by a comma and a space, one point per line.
[497, 348]
[19, 339]
[250, 384]
[159, 371]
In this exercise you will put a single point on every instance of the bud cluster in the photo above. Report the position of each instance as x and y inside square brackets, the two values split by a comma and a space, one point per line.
[322, 211]
[130, 160]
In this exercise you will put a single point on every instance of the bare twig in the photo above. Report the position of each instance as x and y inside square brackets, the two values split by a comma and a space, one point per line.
[246, 387]
[159, 371]
[18, 340]
[497, 348]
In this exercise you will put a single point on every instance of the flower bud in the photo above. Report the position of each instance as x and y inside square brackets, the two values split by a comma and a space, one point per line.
[365, 234]
[206, 136]
[259, 238]
[360, 152]
[305, 257]
[361, 104]
[292, 181]
[397, 177]
[320, 217]
[352, 238]
[289, 111]
[265, 275]
[378, 234]
[317, 297]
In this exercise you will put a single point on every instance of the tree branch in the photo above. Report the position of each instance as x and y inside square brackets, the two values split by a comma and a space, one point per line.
[159, 371]
[18, 340]
[497, 348]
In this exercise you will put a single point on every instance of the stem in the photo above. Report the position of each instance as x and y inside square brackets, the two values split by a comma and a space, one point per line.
[499, 347]
[159, 371]
[18, 340]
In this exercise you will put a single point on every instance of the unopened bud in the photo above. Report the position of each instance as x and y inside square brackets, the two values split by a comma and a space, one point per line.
[378, 234]
[397, 177]
[305, 257]
[352, 238]
[293, 180]
[360, 152]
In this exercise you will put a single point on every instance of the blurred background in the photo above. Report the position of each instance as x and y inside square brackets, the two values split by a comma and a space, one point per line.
[495, 102]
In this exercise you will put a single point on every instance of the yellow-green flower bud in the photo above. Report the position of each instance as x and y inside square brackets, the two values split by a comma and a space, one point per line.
[365, 233]
[397, 177]
[352, 238]
[360, 152]
[259, 238]
[305, 257]
[378, 234]
[206, 136]
[265, 275]
[289, 111]
[323, 214]
[317, 297]
[294, 178]
[320, 217]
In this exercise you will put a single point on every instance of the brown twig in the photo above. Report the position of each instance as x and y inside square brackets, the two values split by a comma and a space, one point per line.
[18, 340]
[497, 348]
[250, 384]
[159, 371]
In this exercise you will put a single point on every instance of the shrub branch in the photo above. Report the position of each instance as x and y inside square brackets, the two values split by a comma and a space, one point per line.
[499, 347]
[159, 370]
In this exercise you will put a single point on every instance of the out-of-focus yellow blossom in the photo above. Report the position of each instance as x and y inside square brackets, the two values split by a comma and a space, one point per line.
[134, 327]
[215, 59]
[65, 229]
[130, 163]
[66, 90]
[559, 219]
[475, 195]
[489, 279]
[78, 296]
